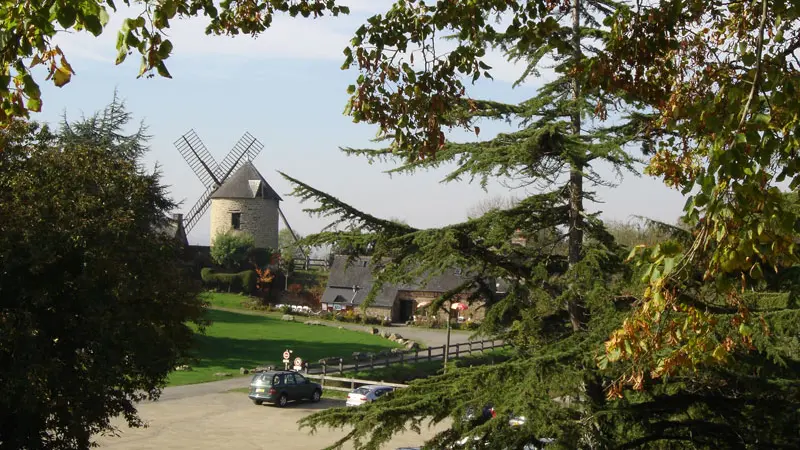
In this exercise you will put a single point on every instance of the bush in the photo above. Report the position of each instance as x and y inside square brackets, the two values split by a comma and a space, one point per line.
[371, 320]
[230, 250]
[285, 309]
[261, 257]
[244, 282]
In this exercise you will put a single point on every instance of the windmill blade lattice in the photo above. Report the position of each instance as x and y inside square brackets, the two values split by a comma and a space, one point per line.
[199, 159]
[196, 213]
[246, 149]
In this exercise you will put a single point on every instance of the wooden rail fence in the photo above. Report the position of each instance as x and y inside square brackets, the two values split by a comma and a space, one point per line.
[369, 361]
[353, 382]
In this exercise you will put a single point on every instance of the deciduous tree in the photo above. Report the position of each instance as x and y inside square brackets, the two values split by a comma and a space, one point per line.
[95, 309]
[27, 32]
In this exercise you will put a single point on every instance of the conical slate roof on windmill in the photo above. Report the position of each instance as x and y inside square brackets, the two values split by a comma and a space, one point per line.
[246, 182]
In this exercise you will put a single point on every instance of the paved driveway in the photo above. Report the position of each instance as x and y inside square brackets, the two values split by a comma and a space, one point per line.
[231, 421]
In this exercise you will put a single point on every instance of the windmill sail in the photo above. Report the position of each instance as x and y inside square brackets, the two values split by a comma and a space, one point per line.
[199, 159]
[196, 213]
[246, 149]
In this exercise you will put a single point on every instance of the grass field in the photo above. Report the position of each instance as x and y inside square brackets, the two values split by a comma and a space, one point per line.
[243, 340]
[226, 300]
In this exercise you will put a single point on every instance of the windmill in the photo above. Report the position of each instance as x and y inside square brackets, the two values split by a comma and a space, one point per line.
[211, 174]
[214, 175]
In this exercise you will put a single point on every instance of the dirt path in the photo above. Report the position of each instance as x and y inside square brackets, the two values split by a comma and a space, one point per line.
[231, 421]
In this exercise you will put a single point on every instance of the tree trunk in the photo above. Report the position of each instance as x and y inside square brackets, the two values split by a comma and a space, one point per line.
[574, 306]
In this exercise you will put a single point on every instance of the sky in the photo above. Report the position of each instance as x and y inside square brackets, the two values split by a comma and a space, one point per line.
[287, 89]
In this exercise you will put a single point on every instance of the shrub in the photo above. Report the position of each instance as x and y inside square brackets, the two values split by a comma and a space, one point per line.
[261, 257]
[295, 288]
[230, 250]
[371, 320]
[286, 309]
[472, 325]
[244, 282]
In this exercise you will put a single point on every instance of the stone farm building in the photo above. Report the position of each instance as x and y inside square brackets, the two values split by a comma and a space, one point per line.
[349, 284]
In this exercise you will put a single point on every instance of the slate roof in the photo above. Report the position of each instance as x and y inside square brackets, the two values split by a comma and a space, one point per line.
[245, 183]
[342, 278]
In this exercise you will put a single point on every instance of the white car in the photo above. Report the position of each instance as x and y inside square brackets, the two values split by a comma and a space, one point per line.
[366, 394]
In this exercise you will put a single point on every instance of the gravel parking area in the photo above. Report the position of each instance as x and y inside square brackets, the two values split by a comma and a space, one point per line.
[229, 420]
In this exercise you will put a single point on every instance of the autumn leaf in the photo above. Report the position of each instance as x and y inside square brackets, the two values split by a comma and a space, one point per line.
[61, 76]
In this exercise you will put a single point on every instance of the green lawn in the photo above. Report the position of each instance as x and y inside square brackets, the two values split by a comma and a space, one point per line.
[226, 300]
[244, 340]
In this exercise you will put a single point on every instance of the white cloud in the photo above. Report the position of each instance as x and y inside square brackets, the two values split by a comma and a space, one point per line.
[287, 38]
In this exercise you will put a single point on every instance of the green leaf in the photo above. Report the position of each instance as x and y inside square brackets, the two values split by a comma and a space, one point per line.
[669, 264]
[745, 330]
[102, 15]
[34, 104]
[66, 16]
[762, 119]
[161, 68]
[93, 25]
[165, 49]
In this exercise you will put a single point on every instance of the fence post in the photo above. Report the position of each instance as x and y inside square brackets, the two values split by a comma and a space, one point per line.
[429, 354]
[341, 366]
[371, 362]
[401, 357]
[387, 359]
[355, 370]
[324, 368]
[482, 342]
[416, 355]
[458, 349]
[470, 347]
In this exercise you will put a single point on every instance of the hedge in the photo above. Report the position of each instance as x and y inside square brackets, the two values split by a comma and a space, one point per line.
[231, 282]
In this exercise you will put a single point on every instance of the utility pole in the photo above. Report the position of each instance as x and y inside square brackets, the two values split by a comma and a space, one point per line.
[447, 344]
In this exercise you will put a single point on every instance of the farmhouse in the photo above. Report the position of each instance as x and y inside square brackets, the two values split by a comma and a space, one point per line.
[348, 286]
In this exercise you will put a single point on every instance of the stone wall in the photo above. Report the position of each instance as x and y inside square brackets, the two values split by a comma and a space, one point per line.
[259, 218]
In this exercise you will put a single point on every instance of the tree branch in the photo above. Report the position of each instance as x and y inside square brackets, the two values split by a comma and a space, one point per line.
[759, 50]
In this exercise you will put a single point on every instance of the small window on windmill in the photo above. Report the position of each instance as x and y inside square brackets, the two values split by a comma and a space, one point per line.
[236, 220]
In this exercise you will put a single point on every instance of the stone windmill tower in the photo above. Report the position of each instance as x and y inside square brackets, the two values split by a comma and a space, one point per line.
[245, 202]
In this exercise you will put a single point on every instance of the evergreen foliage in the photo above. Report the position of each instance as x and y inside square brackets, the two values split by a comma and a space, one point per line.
[570, 288]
